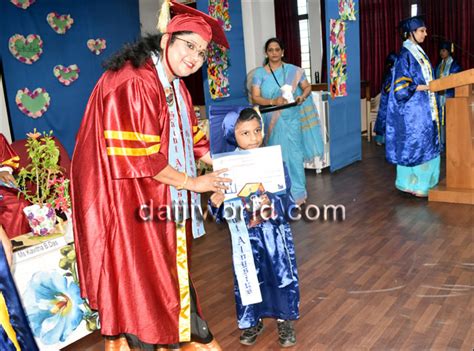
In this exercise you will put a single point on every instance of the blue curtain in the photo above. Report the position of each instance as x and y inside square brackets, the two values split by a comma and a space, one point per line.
[116, 21]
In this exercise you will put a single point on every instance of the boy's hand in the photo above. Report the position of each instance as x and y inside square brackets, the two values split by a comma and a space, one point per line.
[217, 199]
[267, 210]
[265, 200]
[7, 177]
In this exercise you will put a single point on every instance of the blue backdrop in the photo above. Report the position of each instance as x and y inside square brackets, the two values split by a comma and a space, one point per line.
[117, 21]
[344, 112]
[237, 70]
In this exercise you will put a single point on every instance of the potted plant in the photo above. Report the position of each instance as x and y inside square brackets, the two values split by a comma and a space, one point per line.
[42, 182]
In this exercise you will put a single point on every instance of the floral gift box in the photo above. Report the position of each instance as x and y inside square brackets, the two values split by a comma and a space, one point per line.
[46, 278]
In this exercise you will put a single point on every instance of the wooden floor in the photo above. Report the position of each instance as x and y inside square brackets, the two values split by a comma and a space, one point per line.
[396, 274]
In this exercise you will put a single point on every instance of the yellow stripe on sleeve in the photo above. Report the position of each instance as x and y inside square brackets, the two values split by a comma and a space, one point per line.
[12, 162]
[121, 135]
[129, 151]
[400, 87]
[401, 79]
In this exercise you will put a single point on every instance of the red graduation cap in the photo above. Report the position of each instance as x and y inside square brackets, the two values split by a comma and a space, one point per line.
[191, 19]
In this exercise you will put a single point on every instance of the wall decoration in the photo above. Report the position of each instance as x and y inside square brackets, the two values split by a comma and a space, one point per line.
[27, 50]
[347, 10]
[96, 46]
[338, 60]
[217, 71]
[66, 75]
[219, 9]
[59, 23]
[22, 4]
[33, 104]
[65, 49]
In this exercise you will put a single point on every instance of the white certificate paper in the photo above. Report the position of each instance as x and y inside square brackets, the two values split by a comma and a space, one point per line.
[262, 165]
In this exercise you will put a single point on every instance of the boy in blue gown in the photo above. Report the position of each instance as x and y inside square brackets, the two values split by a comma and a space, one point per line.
[412, 127]
[448, 65]
[271, 244]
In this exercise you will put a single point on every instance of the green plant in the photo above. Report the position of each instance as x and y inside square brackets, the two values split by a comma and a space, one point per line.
[42, 181]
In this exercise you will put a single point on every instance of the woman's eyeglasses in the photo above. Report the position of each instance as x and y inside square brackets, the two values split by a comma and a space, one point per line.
[192, 48]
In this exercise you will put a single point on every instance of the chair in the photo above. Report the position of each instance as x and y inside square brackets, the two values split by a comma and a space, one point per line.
[372, 116]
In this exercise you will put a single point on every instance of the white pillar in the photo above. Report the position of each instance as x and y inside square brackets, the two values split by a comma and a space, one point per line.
[315, 37]
[258, 19]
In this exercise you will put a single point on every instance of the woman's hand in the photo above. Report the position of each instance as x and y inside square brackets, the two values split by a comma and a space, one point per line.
[7, 177]
[299, 100]
[217, 198]
[422, 87]
[306, 87]
[279, 101]
[209, 182]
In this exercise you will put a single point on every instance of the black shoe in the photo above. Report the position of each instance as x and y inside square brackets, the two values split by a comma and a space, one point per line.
[249, 335]
[286, 333]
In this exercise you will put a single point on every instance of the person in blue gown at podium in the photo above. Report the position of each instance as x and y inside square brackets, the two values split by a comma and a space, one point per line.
[447, 65]
[412, 126]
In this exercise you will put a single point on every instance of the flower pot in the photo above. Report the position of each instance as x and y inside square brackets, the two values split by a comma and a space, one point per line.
[42, 219]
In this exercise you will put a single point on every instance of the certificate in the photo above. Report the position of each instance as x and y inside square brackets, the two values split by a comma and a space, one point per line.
[252, 170]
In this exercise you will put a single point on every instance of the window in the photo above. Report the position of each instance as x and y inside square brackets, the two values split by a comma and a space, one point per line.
[304, 38]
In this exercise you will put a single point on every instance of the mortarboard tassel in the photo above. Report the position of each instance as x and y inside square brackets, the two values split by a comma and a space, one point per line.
[452, 48]
[164, 16]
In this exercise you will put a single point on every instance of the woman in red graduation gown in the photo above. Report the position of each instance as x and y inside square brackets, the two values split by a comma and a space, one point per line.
[134, 159]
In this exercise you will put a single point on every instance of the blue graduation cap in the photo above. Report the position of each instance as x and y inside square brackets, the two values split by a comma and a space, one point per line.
[390, 59]
[411, 24]
[221, 141]
[447, 45]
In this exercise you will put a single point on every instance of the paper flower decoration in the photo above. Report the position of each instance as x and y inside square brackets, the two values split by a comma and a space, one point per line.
[22, 4]
[96, 46]
[33, 104]
[27, 50]
[59, 23]
[66, 75]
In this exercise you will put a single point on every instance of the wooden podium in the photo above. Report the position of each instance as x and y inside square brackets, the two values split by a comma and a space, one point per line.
[459, 184]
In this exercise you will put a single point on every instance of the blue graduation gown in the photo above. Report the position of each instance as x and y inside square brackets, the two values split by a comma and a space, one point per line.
[379, 127]
[274, 256]
[411, 134]
[455, 68]
[17, 318]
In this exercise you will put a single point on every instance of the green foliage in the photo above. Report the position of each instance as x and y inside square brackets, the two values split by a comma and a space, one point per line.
[44, 173]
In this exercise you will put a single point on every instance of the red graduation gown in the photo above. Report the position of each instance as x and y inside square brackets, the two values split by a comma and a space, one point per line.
[127, 266]
[12, 217]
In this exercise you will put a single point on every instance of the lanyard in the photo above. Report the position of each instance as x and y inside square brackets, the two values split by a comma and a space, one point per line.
[274, 77]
